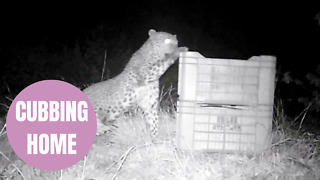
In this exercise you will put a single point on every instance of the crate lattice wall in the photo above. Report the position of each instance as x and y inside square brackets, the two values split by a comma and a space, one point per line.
[225, 105]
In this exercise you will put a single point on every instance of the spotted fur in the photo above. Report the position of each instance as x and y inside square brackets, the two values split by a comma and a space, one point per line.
[138, 84]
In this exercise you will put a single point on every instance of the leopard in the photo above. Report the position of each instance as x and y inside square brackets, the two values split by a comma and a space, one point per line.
[137, 86]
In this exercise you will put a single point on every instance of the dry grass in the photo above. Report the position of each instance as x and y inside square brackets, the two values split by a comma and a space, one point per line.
[130, 154]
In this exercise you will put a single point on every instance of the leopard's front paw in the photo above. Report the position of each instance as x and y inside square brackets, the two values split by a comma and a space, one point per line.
[175, 54]
[183, 49]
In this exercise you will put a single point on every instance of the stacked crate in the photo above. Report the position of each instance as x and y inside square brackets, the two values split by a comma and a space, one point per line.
[225, 104]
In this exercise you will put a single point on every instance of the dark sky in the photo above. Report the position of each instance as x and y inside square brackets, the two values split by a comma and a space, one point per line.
[288, 31]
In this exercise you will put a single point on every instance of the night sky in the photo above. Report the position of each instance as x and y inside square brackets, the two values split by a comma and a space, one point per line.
[288, 31]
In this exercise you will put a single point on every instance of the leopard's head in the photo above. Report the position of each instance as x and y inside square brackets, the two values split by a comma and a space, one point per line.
[163, 42]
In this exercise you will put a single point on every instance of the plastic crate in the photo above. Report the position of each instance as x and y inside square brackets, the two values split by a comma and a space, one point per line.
[225, 105]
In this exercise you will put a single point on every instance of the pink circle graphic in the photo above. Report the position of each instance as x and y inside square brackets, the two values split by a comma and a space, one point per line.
[51, 125]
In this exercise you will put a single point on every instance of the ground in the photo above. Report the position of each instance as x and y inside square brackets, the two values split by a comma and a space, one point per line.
[130, 154]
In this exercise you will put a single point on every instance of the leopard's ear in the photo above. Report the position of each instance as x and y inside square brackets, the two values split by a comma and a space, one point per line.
[152, 32]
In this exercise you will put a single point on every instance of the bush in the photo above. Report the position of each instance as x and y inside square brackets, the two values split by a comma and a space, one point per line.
[305, 97]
